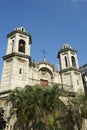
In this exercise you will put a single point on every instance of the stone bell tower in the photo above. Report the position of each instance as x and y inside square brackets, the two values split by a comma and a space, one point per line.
[17, 59]
[69, 69]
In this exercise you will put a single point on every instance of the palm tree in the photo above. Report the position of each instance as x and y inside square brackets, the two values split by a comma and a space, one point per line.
[53, 106]
[27, 102]
[34, 105]
[17, 97]
[79, 107]
[84, 106]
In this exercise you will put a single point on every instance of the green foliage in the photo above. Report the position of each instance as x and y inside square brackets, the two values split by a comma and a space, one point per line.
[53, 125]
[42, 108]
[78, 105]
[2, 120]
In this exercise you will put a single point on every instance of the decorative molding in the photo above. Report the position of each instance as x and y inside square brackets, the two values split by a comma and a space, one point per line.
[21, 32]
[69, 69]
[64, 50]
[16, 54]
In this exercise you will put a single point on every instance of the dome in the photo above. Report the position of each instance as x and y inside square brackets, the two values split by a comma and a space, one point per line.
[66, 46]
[20, 28]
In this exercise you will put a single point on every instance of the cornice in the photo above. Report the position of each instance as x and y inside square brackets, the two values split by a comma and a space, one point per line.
[46, 63]
[65, 50]
[21, 32]
[16, 54]
[70, 69]
[5, 92]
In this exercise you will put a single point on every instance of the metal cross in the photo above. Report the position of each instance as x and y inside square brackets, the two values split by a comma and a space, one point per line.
[44, 53]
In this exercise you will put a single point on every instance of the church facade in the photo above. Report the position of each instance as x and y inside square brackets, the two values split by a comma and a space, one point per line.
[19, 70]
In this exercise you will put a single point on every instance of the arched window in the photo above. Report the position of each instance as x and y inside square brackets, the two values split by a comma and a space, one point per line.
[21, 47]
[20, 71]
[66, 63]
[73, 61]
[12, 45]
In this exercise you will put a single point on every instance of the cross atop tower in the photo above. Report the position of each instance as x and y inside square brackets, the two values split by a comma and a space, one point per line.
[44, 53]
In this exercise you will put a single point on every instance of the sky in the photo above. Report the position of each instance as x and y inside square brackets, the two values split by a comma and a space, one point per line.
[51, 23]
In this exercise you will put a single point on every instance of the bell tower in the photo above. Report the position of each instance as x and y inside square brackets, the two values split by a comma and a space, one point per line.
[17, 59]
[69, 69]
[19, 41]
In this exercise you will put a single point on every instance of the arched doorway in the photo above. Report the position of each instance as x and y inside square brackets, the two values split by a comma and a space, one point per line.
[46, 76]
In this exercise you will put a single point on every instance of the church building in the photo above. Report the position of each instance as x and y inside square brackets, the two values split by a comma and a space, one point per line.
[19, 70]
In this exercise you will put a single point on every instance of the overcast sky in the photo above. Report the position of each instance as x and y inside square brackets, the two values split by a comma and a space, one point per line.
[51, 24]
